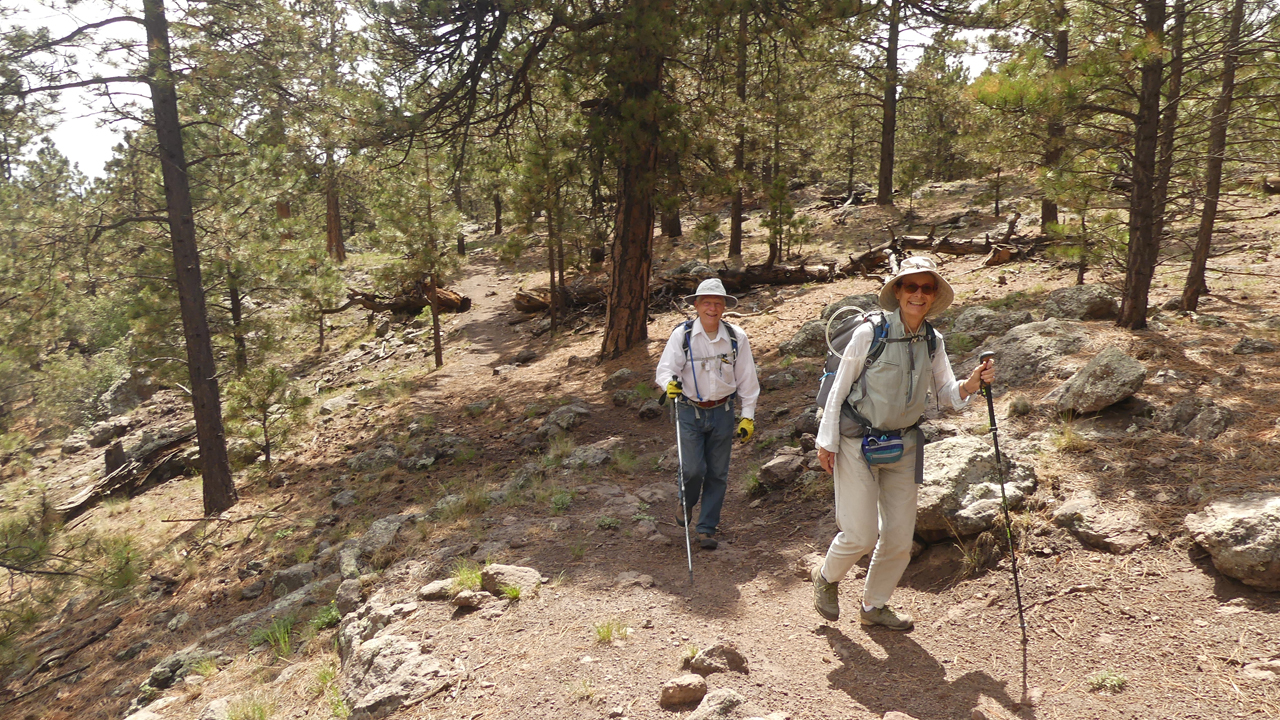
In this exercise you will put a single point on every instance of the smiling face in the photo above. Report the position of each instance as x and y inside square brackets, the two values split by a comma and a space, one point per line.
[709, 308]
[915, 294]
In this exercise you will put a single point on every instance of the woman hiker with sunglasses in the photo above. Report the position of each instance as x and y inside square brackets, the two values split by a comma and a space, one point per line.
[878, 464]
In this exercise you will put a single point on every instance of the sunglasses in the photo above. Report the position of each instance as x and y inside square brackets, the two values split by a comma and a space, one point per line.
[911, 288]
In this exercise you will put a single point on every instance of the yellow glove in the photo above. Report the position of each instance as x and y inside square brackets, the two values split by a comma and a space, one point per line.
[674, 389]
[746, 428]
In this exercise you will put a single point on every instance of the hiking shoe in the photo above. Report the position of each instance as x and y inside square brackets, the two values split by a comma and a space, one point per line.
[826, 595]
[885, 616]
[706, 542]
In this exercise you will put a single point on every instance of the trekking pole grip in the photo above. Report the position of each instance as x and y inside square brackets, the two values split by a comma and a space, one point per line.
[985, 389]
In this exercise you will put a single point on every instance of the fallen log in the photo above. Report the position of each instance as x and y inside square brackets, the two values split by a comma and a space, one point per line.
[134, 475]
[414, 297]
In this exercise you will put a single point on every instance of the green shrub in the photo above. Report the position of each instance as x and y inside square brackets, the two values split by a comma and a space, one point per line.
[608, 523]
[1108, 681]
[328, 617]
[466, 575]
[278, 634]
[561, 502]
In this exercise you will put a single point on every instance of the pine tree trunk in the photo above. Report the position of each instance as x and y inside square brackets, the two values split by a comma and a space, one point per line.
[236, 302]
[627, 313]
[1169, 119]
[889, 117]
[740, 147]
[1218, 125]
[1144, 246]
[1055, 143]
[497, 213]
[219, 488]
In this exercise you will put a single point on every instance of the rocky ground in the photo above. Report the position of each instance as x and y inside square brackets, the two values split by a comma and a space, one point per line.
[1149, 534]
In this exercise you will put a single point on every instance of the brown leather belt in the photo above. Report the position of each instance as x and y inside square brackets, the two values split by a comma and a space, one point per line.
[708, 404]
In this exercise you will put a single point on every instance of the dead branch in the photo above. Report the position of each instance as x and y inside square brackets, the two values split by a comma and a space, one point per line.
[60, 655]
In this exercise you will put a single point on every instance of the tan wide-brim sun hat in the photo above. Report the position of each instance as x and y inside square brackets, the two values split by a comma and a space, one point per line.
[712, 286]
[912, 266]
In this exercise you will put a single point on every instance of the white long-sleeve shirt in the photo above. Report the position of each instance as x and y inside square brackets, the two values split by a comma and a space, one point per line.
[713, 374]
[855, 355]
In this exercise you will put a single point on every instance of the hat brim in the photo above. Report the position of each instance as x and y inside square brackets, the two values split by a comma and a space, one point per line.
[729, 300]
[889, 301]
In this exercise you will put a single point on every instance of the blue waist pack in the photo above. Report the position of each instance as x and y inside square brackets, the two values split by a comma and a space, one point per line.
[880, 447]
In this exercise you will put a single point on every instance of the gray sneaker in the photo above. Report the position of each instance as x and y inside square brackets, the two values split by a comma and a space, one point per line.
[826, 595]
[885, 616]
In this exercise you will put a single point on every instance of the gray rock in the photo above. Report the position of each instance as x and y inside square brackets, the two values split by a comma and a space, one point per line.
[961, 490]
[389, 672]
[1111, 376]
[862, 302]
[217, 710]
[471, 598]
[478, 408]
[807, 421]
[349, 596]
[127, 393]
[650, 410]
[495, 577]
[562, 420]
[1030, 352]
[384, 455]
[721, 657]
[349, 559]
[778, 381]
[133, 650]
[1211, 321]
[107, 430]
[809, 341]
[1116, 531]
[1082, 302]
[75, 444]
[782, 470]
[718, 703]
[1195, 417]
[346, 498]
[381, 533]
[670, 460]
[288, 580]
[1253, 346]
[594, 455]
[437, 590]
[526, 356]
[1242, 535]
[179, 621]
[982, 322]
[336, 404]
[625, 378]
[176, 666]
[683, 690]
[253, 590]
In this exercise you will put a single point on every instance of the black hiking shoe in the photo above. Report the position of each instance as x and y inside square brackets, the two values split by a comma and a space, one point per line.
[706, 542]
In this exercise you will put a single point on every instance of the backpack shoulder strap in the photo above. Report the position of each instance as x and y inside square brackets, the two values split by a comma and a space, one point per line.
[688, 331]
[931, 337]
[733, 338]
[879, 334]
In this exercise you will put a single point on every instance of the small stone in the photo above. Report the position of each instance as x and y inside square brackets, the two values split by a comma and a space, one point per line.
[683, 690]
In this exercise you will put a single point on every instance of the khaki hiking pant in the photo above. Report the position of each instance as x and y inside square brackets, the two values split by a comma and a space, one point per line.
[876, 513]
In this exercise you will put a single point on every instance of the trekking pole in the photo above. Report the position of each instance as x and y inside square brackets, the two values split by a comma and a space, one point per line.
[684, 509]
[1008, 525]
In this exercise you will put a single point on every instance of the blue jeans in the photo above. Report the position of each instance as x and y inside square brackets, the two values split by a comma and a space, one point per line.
[706, 439]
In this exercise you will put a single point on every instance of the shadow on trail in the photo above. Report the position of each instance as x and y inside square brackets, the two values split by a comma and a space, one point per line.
[908, 680]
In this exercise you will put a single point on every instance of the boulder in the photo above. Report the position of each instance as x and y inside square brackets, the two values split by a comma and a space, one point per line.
[350, 595]
[721, 657]
[622, 379]
[1196, 417]
[562, 420]
[961, 490]
[1111, 376]
[375, 458]
[683, 690]
[650, 410]
[1249, 346]
[1030, 352]
[594, 455]
[176, 666]
[809, 341]
[782, 470]
[436, 590]
[495, 577]
[381, 533]
[390, 672]
[107, 430]
[807, 421]
[982, 322]
[1082, 302]
[1242, 535]
[127, 393]
[1116, 531]
[336, 405]
[868, 301]
[75, 444]
[286, 581]
[718, 703]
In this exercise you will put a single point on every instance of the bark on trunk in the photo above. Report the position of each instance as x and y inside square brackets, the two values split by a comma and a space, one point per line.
[1218, 125]
[236, 301]
[497, 213]
[219, 488]
[626, 319]
[740, 148]
[889, 121]
[1169, 120]
[334, 243]
[1144, 246]
[1055, 143]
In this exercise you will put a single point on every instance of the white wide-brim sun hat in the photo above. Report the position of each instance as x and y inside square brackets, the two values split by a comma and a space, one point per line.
[712, 286]
[912, 266]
